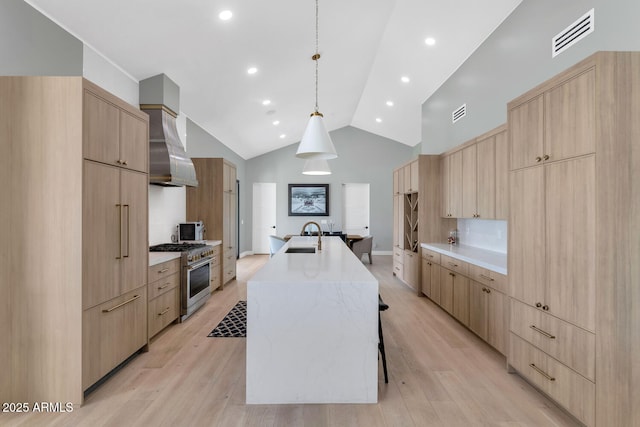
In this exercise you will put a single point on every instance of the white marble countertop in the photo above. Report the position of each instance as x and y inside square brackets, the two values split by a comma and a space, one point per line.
[494, 261]
[312, 327]
[334, 263]
[156, 258]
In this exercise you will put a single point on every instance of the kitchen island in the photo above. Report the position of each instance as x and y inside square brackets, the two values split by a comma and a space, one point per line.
[312, 327]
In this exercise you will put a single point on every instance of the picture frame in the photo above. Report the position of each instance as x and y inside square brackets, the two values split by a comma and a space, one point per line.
[308, 199]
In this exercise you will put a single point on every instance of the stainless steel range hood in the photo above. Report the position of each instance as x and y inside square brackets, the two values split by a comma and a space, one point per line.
[169, 164]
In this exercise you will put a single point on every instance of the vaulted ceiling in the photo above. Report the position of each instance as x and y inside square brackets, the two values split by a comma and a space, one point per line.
[366, 48]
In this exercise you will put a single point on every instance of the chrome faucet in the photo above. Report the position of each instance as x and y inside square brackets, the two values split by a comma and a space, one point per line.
[319, 232]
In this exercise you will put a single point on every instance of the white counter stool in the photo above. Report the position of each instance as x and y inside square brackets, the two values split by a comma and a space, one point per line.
[382, 307]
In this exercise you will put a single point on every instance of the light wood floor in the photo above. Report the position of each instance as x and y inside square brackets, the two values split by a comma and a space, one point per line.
[440, 373]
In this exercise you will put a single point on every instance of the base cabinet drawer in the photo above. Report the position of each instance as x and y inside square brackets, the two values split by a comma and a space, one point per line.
[163, 310]
[159, 271]
[570, 389]
[229, 265]
[571, 345]
[111, 332]
[398, 269]
[163, 285]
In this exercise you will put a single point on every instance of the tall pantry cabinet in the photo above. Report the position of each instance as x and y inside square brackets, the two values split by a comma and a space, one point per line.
[214, 202]
[416, 212]
[573, 238]
[75, 245]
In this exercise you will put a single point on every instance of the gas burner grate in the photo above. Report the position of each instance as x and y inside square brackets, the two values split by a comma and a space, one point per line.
[176, 247]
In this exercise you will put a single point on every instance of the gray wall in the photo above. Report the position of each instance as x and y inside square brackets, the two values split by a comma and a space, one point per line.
[517, 57]
[30, 44]
[362, 158]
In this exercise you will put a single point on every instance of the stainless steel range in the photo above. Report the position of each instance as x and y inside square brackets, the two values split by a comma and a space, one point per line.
[195, 273]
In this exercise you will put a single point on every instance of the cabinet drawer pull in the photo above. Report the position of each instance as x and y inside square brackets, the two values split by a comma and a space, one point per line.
[451, 274]
[452, 264]
[164, 286]
[164, 270]
[109, 310]
[486, 278]
[164, 311]
[541, 372]
[540, 331]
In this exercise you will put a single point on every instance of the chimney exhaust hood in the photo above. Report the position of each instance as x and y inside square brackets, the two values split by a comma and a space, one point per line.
[169, 164]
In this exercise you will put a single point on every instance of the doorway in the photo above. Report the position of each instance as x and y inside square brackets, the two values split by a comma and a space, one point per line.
[355, 205]
[264, 216]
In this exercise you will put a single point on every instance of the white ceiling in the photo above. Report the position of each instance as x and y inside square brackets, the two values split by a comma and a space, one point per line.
[366, 46]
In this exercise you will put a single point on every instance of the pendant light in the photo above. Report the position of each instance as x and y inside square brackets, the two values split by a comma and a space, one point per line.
[316, 142]
[316, 167]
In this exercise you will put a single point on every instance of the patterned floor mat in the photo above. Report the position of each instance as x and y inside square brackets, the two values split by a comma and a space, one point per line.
[234, 323]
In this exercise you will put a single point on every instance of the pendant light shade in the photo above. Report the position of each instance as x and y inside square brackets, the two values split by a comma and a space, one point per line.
[316, 167]
[316, 142]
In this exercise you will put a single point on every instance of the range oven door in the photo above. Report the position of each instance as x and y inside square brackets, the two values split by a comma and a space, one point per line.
[197, 287]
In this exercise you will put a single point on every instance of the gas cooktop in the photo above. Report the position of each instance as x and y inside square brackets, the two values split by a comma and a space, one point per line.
[176, 247]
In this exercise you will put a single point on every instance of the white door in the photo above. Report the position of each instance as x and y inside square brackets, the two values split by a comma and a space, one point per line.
[355, 203]
[264, 215]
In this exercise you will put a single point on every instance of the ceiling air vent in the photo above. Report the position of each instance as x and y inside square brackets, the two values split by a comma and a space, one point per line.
[459, 113]
[573, 33]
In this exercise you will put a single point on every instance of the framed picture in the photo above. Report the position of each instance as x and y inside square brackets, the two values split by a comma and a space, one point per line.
[308, 199]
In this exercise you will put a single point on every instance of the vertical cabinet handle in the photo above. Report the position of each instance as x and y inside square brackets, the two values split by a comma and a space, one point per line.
[119, 207]
[128, 228]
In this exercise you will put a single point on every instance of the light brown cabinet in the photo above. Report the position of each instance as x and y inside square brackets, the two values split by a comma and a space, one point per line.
[574, 159]
[475, 185]
[416, 219]
[214, 202]
[164, 295]
[48, 130]
[451, 180]
[113, 135]
[216, 260]
[431, 275]
[552, 250]
[112, 331]
[115, 214]
[557, 124]
[488, 314]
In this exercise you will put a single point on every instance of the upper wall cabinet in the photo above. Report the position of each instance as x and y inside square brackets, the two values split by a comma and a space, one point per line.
[474, 178]
[555, 125]
[112, 135]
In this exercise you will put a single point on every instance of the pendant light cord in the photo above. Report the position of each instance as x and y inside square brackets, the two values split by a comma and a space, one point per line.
[316, 57]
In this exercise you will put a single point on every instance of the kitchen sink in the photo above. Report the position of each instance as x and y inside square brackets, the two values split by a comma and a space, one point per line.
[301, 250]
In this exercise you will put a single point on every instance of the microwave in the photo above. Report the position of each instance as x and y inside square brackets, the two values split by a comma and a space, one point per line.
[190, 231]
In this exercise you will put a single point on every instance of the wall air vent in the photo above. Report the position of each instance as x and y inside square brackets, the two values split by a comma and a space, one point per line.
[573, 33]
[459, 113]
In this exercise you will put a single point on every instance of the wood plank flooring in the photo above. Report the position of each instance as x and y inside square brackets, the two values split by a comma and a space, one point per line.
[440, 374]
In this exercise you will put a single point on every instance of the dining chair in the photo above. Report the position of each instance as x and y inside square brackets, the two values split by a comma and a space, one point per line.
[361, 247]
[275, 243]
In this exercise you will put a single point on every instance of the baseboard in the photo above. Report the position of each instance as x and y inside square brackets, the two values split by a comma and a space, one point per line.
[381, 252]
[246, 253]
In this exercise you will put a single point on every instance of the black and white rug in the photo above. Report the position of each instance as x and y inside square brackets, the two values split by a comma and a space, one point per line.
[234, 323]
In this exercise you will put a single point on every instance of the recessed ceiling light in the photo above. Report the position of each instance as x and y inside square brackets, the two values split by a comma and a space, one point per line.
[390, 103]
[379, 120]
[252, 70]
[405, 79]
[225, 15]
[266, 102]
[430, 41]
[276, 122]
[283, 136]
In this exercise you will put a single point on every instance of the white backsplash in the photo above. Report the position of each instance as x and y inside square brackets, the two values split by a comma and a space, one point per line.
[167, 208]
[483, 233]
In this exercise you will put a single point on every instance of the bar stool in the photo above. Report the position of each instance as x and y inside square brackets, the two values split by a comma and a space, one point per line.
[382, 307]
